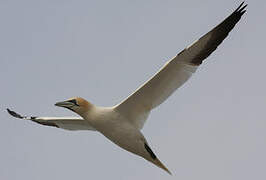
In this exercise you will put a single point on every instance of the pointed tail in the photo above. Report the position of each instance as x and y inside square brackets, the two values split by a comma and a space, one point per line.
[158, 163]
[154, 159]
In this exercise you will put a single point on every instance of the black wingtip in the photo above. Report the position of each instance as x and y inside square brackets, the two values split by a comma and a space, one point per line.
[14, 114]
[240, 6]
[241, 9]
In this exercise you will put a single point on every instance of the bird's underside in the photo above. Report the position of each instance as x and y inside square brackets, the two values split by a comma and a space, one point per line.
[135, 109]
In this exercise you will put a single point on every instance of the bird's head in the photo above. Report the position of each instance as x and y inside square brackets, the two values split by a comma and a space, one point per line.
[76, 104]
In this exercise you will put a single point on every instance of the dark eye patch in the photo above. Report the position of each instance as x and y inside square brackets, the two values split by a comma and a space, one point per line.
[74, 101]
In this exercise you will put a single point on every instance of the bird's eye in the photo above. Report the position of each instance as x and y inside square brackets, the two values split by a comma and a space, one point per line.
[74, 101]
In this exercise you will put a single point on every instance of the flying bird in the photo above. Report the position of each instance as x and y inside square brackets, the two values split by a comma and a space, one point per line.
[122, 123]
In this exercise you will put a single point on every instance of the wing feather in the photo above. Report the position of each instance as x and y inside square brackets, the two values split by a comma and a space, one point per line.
[175, 72]
[67, 123]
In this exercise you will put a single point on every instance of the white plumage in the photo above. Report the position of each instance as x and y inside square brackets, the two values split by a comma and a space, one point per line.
[122, 123]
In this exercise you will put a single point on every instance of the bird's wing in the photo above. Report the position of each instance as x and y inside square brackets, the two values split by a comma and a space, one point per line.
[68, 123]
[175, 72]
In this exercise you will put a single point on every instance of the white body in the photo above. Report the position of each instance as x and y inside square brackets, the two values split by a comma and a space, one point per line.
[118, 129]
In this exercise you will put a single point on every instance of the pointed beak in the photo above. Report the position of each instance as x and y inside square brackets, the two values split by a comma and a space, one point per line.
[65, 104]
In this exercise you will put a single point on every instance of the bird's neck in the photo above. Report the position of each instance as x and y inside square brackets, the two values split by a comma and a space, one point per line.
[89, 114]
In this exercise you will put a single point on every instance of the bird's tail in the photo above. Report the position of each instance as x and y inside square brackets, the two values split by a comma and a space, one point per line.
[152, 158]
[158, 163]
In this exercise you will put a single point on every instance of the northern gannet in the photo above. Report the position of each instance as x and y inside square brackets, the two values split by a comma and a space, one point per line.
[122, 123]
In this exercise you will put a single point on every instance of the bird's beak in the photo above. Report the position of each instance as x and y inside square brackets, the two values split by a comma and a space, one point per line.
[65, 104]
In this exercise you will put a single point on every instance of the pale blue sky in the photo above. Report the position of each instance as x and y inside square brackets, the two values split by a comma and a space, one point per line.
[214, 127]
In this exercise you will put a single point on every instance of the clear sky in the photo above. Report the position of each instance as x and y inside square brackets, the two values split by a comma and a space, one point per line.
[214, 127]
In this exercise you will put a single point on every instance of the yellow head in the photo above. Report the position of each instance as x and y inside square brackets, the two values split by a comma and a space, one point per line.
[76, 104]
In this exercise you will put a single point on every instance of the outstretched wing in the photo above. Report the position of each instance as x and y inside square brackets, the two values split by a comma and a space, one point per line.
[175, 72]
[68, 123]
